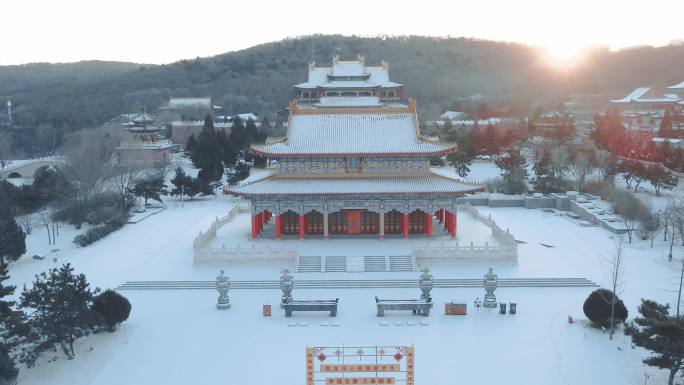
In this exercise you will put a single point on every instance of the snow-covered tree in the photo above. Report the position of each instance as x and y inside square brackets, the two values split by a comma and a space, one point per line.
[656, 330]
[112, 307]
[514, 172]
[59, 302]
[8, 370]
[150, 189]
[12, 237]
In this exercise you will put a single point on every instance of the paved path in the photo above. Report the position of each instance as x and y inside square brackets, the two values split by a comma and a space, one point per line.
[356, 284]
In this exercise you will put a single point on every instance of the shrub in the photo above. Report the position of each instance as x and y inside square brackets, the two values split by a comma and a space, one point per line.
[113, 307]
[99, 232]
[597, 308]
[600, 188]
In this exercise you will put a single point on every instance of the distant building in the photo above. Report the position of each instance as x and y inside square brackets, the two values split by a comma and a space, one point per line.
[584, 108]
[453, 115]
[545, 126]
[643, 109]
[674, 143]
[145, 143]
[188, 109]
[646, 98]
[677, 89]
[182, 130]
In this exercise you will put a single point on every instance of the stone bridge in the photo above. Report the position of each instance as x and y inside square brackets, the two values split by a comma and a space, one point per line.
[29, 168]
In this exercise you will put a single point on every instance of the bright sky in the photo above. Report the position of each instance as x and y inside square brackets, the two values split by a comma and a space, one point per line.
[161, 31]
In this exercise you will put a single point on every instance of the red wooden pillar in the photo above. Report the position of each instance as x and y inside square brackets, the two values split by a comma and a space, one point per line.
[455, 225]
[405, 225]
[279, 227]
[255, 231]
[428, 225]
[451, 224]
[440, 215]
[302, 226]
[445, 219]
[260, 222]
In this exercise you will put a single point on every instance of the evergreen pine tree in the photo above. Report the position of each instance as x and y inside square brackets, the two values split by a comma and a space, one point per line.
[182, 183]
[238, 135]
[150, 189]
[12, 237]
[661, 333]
[514, 172]
[190, 150]
[8, 370]
[543, 172]
[60, 312]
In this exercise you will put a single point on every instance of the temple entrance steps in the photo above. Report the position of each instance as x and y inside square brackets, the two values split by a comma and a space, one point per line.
[335, 264]
[359, 284]
[309, 264]
[374, 263]
[402, 263]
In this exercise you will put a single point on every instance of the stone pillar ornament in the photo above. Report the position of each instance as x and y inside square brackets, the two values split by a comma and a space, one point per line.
[425, 283]
[490, 284]
[286, 285]
[222, 286]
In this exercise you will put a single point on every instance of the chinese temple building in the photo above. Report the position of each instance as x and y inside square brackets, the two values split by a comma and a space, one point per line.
[144, 143]
[353, 163]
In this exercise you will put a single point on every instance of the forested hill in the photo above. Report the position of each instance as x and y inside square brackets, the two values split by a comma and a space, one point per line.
[435, 70]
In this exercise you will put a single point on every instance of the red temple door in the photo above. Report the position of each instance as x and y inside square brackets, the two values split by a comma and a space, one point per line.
[353, 222]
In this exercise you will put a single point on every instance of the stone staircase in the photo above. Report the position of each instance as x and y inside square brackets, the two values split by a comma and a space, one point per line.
[309, 264]
[335, 264]
[401, 263]
[375, 263]
[360, 284]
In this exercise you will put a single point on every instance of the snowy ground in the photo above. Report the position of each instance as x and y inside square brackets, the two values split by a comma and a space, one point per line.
[178, 337]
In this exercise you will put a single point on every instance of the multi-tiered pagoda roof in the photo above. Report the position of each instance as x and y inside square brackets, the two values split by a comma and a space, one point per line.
[353, 159]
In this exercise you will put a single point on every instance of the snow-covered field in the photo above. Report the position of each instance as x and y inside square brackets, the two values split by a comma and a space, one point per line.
[178, 337]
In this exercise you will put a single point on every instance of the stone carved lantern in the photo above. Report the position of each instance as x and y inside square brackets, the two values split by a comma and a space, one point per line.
[286, 285]
[222, 286]
[426, 284]
[490, 282]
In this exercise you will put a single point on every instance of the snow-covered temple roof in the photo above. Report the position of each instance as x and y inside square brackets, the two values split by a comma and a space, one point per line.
[194, 102]
[647, 95]
[348, 74]
[361, 132]
[678, 86]
[428, 183]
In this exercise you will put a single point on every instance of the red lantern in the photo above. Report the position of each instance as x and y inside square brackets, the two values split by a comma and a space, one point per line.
[398, 356]
[321, 357]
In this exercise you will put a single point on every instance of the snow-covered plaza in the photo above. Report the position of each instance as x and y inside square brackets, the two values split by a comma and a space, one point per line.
[179, 337]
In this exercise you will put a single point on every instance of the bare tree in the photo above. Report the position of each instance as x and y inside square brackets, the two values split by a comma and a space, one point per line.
[650, 225]
[581, 165]
[123, 179]
[88, 152]
[616, 273]
[27, 223]
[45, 220]
[630, 209]
[559, 162]
[674, 219]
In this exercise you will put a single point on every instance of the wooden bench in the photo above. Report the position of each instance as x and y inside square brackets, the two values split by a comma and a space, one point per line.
[417, 306]
[319, 305]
